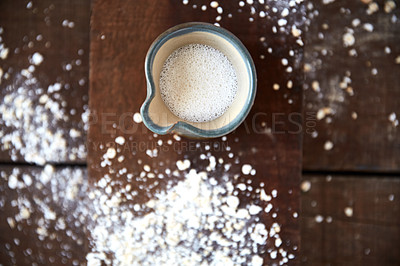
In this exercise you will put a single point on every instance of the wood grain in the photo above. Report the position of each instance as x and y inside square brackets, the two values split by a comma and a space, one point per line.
[121, 33]
[363, 137]
[38, 27]
[370, 236]
[39, 221]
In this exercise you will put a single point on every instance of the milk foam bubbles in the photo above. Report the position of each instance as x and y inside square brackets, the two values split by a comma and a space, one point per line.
[198, 83]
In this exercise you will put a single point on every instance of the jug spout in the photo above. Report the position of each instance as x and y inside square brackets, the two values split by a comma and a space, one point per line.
[158, 117]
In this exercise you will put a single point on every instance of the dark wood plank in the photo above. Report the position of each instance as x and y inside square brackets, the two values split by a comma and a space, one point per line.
[358, 86]
[33, 128]
[350, 220]
[40, 222]
[269, 140]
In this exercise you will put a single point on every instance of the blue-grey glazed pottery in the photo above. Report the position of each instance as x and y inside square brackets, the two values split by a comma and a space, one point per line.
[156, 115]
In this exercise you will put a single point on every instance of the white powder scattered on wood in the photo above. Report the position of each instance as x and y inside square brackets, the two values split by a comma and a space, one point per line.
[47, 207]
[348, 211]
[36, 59]
[319, 218]
[305, 186]
[348, 39]
[328, 145]
[35, 122]
[137, 118]
[30, 121]
[246, 169]
[120, 140]
[194, 222]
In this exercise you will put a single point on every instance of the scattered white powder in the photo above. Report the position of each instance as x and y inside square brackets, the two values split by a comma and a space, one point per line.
[137, 118]
[35, 123]
[323, 112]
[315, 86]
[372, 8]
[147, 168]
[199, 220]
[289, 84]
[246, 169]
[183, 165]
[111, 153]
[232, 201]
[268, 208]
[319, 218]
[348, 211]
[3, 51]
[278, 242]
[264, 196]
[392, 117]
[214, 4]
[68, 67]
[198, 83]
[305, 186]
[27, 180]
[368, 27]
[52, 88]
[74, 133]
[254, 209]
[50, 206]
[36, 59]
[193, 223]
[212, 164]
[12, 182]
[30, 121]
[282, 22]
[241, 186]
[257, 261]
[120, 140]
[391, 197]
[295, 31]
[348, 39]
[285, 12]
[328, 145]
[68, 24]
[356, 22]
[389, 6]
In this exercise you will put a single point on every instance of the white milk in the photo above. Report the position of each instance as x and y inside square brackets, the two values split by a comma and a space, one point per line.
[198, 83]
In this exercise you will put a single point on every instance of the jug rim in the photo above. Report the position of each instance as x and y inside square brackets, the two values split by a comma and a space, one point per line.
[182, 127]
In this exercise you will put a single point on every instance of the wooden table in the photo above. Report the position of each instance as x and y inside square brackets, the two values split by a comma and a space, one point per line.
[269, 140]
[352, 92]
[349, 194]
[350, 199]
[59, 31]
